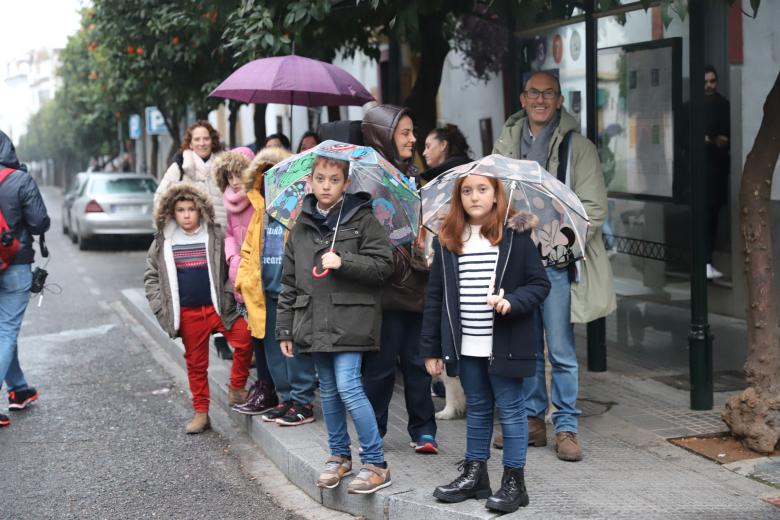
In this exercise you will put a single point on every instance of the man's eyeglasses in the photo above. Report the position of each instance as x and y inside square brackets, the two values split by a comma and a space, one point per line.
[533, 93]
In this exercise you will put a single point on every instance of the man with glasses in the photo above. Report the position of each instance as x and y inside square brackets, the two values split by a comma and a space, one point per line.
[580, 292]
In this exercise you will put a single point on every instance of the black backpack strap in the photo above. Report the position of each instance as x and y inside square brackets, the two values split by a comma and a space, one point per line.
[563, 156]
[179, 160]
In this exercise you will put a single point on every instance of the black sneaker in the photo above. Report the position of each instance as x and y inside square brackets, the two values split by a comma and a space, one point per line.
[19, 399]
[280, 410]
[298, 414]
[4, 421]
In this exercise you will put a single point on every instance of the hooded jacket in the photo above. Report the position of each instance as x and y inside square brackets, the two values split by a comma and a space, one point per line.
[21, 203]
[340, 312]
[517, 336]
[405, 290]
[160, 280]
[593, 296]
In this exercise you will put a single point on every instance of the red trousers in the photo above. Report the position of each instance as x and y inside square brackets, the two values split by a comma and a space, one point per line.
[197, 325]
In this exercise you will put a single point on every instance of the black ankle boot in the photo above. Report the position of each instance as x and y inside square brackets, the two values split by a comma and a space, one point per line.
[512, 494]
[473, 482]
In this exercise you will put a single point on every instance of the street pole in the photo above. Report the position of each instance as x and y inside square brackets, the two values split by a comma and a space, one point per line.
[699, 335]
[597, 329]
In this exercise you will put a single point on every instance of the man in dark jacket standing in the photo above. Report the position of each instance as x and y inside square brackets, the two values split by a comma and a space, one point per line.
[25, 213]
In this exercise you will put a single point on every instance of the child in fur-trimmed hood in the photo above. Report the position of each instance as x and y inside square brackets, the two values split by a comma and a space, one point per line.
[186, 284]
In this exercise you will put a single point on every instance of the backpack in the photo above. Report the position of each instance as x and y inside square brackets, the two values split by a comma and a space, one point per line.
[9, 244]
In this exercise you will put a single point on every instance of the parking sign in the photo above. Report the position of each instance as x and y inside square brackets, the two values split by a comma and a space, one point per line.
[134, 124]
[155, 124]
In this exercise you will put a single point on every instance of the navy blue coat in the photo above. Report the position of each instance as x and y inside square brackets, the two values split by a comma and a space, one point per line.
[21, 203]
[517, 336]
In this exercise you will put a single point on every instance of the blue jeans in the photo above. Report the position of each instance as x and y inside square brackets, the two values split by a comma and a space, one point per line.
[341, 390]
[562, 352]
[483, 392]
[15, 284]
[293, 378]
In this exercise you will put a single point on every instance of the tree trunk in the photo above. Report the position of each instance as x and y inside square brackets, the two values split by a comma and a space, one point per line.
[754, 415]
[153, 159]
[232, 123]
[422, 100]
[259, 124]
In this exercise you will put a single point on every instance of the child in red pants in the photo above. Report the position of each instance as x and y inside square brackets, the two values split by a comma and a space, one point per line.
[186, 283]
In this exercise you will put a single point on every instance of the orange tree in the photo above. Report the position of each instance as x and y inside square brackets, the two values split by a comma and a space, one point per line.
[165, 53]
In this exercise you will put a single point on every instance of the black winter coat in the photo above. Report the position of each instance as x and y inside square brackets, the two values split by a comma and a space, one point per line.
[517, 336]
[341, 312]
[21, 203]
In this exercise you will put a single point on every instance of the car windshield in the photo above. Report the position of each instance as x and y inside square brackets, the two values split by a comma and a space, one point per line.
[123, 185]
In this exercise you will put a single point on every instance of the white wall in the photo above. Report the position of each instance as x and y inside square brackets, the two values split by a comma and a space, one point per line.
[463, 101]
[761, 65]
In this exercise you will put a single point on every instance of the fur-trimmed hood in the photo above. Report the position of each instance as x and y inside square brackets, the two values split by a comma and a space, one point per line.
[523, 221]
[164, 211]
[266, 157]
[226, 164]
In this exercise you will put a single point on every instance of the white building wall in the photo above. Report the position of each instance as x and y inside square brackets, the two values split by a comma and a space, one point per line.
[761, 37]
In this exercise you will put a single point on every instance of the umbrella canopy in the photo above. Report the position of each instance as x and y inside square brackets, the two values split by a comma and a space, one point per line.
[293, 80]
[395, 202]
[563, 222]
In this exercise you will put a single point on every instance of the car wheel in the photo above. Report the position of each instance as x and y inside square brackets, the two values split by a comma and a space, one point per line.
[72, 235]
[83, 243]
[64, 226]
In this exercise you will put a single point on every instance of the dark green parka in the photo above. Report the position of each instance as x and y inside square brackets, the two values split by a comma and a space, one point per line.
[341, 312]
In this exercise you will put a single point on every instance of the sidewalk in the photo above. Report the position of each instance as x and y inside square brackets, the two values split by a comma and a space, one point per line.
[629, 471]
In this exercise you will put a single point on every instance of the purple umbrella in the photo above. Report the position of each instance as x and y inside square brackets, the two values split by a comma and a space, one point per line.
[293, 80]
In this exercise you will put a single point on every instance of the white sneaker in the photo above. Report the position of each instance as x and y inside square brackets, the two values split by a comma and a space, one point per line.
[713, 273]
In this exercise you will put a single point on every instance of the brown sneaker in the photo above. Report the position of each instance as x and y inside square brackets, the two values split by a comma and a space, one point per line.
[567, 446]
[370, 479]
[336, 468]
[236, 396]
[537, 432]
[199, 424]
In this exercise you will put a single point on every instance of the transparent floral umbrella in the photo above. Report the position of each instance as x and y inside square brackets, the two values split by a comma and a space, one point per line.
[563, 222]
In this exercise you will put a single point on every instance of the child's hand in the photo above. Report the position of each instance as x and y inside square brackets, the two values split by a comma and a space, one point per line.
[434, 366]
[500, 304]
[287, 348]
[331, 260]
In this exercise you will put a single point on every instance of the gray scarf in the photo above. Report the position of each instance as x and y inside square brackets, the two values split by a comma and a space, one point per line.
[537, 148]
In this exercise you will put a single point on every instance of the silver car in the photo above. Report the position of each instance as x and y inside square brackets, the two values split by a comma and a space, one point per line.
[110, 204]
[69, 197]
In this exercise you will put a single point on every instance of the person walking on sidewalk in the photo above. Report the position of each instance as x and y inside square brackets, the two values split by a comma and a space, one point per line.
[185, 281]
[336, 317]
[260, 274]
[581, 292]
[25, 214]
[390, 131]
[486, 284]
[228, 172]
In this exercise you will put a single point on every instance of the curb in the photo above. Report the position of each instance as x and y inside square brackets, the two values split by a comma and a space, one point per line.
[297, 454]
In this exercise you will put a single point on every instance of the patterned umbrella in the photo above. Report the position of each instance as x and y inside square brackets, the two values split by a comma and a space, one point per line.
[563, 222]
[395, 202]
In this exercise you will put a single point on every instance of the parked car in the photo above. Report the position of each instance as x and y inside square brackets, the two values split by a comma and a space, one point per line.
[70, 196]
[110, 204]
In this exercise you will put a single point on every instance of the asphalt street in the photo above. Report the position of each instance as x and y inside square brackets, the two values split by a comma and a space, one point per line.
[106, 437]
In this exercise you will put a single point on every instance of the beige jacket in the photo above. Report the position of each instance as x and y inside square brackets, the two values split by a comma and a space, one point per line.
[594, 295]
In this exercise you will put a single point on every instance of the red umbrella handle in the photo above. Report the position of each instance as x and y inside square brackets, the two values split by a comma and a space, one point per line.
[316, 273]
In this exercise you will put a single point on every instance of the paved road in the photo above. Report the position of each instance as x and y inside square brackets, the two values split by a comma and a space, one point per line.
[105, 439]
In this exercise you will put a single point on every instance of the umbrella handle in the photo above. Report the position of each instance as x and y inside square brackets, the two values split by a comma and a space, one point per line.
[316, 273]
[319, 274]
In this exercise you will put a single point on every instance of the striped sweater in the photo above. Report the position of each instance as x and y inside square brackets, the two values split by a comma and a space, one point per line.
[192, 269]
[476, 272]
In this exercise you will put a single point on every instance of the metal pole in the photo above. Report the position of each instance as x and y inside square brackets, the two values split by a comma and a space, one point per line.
[597, 329]
[699, 336]
[143, 143]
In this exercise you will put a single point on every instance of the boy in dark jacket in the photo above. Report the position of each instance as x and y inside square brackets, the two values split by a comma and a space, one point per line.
[186, 283]
[336, 314]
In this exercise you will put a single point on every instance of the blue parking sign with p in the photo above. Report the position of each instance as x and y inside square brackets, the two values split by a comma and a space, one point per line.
[134, 124]
[155, 123]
